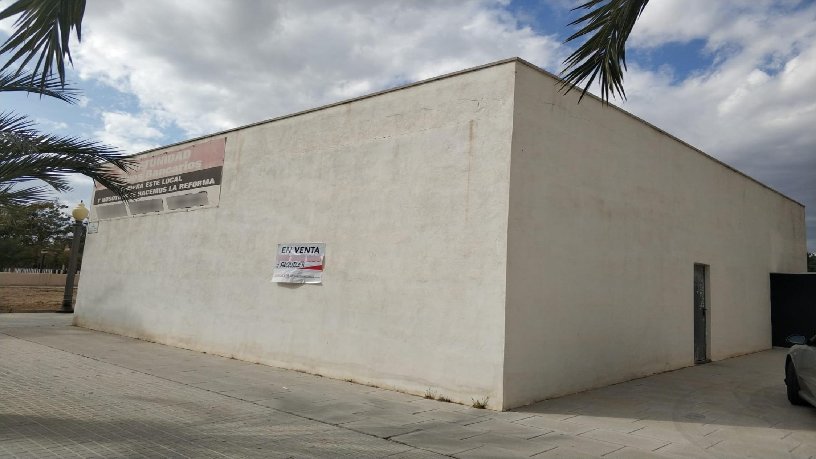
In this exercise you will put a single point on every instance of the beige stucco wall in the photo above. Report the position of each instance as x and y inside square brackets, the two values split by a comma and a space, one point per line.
[486, 237]
[409, 191]
[607, 218]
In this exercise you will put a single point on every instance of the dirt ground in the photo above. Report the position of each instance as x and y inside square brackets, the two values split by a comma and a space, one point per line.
[31, 299]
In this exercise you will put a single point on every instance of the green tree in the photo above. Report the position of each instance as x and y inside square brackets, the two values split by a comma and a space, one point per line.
[35, 235]
[811, 262]
[32, 163]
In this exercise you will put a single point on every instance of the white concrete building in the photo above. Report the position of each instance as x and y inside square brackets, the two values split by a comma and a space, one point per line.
[485, 236]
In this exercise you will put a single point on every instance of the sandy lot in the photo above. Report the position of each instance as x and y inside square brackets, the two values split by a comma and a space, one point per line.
[31, 299]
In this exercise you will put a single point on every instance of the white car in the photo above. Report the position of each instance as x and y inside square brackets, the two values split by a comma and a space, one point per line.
[800, 370]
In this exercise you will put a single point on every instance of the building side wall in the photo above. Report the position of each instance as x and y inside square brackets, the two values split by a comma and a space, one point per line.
[608, 216]
[409, 192]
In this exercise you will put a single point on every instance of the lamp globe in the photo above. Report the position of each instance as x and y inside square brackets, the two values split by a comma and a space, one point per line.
[80, 212]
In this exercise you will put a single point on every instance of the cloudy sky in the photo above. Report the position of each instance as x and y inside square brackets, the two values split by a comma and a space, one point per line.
[734, 78]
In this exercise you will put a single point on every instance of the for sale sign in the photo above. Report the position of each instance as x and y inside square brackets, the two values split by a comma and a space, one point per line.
[299, 263]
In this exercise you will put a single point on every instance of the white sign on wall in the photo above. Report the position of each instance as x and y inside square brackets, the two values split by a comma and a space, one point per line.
[299, 263]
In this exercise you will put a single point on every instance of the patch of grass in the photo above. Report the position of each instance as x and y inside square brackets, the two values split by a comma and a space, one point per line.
[430, 394]
[442, 398]
[480, 404]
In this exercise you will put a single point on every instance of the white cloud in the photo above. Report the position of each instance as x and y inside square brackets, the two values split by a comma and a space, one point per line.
[81, 190]
[210, 66]
[49, 125]
[131, 133]
[755, 107]
[215, 67]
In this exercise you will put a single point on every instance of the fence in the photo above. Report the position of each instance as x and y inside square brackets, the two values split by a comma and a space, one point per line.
[35, 271]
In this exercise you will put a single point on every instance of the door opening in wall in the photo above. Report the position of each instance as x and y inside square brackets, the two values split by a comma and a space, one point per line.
[701, 313]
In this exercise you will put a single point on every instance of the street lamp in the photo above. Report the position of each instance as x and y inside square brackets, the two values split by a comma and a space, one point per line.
[80, 213]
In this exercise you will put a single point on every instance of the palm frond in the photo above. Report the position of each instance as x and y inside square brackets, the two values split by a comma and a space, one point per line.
[604, 53]
[12, 197]
[43, 28]
[28, 155]
[51, 87]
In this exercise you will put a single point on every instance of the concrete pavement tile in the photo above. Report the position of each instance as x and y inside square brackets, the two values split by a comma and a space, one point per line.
[609, 423]
[664, 426]
[515, 445]
[750, 449]
[634, 453]
[387, 393]
[457, 417]
[633, 441]
[568, 404]
[804, 437]
[580, 444]
[402, 416]
[424, 404]
[337, 405]
[505, 428]
[686, 450]
[396, 417]
[334, 416]
[753, 434]
[254, 392]
[436, 442]
[341, 443]
[546, 423]
[383, 428]
[416, 454]
[804, 451]
[301, 404]
[670, 435]
[452, 430]
[490, 452]
[509, 416]
[375, 402]
[564, 453]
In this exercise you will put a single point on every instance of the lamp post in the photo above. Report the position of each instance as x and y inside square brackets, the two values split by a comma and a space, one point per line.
[80, 213]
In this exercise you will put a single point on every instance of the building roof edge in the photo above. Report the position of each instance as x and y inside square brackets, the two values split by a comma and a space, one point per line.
[454, 74]
[726, 165]
[335, 104]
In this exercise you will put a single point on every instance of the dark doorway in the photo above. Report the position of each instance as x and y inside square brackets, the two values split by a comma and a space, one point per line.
[700, 313]
[793, 306]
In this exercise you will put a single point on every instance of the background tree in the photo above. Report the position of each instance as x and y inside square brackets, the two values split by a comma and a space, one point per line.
[32, 164]
[35, 236]
[811, 262]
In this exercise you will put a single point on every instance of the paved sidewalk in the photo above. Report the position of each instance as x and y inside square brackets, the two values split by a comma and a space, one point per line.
[70, 392]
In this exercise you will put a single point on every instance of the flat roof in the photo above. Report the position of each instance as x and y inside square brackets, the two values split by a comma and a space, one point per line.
[462, 72]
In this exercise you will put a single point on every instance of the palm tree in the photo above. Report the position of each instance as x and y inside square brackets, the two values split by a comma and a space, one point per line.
[44, 28]
[604, 53]
[27, 155]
